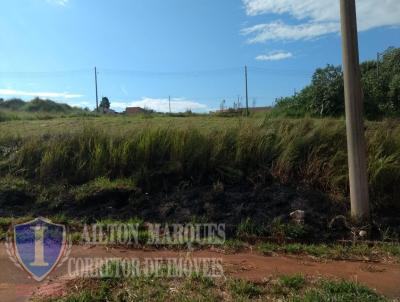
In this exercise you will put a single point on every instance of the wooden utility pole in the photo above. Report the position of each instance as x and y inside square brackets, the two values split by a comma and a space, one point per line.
[356, 145]
[97, 96]
[247, 93]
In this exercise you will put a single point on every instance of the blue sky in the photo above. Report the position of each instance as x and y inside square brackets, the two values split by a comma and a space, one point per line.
[146, 50]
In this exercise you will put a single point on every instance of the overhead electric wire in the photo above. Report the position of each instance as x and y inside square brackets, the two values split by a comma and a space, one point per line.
[44, 74]
[148, 73]
[280, 71]
[190, 73]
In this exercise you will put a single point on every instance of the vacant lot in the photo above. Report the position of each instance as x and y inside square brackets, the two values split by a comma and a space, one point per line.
[249, 173]
[221, 168]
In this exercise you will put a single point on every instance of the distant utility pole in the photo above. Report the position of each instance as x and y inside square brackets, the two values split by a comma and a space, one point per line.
[247, 93]
[354, 112]
[222, 106]
[97, 96]
[169, 103]
[378, 56]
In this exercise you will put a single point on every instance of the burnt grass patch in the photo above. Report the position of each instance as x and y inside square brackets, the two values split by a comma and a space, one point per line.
[250, 176]
[250, 213]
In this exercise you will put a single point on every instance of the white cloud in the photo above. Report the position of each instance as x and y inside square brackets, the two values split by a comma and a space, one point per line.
[118, 105]
[317, 18]
[20, 93]
[275, 56]
[162, 104]
[58, 2]
[281, 31]
[300, 9]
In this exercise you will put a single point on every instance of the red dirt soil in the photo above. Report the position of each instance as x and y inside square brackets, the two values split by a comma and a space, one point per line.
[15, 285]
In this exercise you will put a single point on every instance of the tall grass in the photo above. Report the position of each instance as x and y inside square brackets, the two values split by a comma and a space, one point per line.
[302, 152]
[7, 115]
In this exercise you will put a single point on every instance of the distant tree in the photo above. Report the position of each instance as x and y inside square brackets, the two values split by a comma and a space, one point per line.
[13, 104]
[394, 93]
[325, 95]
[390, 64]
[40, 105]
[105, 103]
[374, 94]
[222, 105]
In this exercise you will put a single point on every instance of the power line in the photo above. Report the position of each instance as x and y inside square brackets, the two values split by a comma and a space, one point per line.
[57, 73]
[189, 73]
[148, 73]
[97, 95]
[247, 92]
[191, 97]
[280, 72]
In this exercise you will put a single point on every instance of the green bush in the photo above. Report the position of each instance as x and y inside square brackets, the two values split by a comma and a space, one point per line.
[324, 97]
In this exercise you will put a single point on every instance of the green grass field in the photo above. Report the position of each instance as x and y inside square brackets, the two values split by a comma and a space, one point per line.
[104, 168]
[50, 162]
[295, 288]
[309, 151]
[119, 124]
[161, 153]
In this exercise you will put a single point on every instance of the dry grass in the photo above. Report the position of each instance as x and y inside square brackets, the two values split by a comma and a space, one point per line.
[161, 152]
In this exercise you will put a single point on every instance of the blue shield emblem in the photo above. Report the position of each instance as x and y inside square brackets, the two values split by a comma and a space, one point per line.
[39, 246]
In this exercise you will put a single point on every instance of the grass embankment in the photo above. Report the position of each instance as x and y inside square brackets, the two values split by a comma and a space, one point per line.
[199, 288]
[377, 251]
[290, 236]
[23, 117]
[200, 150]
[235, 163]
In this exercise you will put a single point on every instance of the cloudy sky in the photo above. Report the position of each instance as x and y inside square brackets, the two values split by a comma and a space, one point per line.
[191, 50]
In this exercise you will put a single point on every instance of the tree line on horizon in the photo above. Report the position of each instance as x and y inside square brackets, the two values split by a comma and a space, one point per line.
[324, 96]
[38, 105]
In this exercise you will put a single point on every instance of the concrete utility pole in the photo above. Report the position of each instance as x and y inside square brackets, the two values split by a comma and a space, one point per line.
[354, 113]
[97, 96]
[247, 93]
[169, 103]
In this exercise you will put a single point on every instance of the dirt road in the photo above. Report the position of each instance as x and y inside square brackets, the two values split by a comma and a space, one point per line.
[15, 285]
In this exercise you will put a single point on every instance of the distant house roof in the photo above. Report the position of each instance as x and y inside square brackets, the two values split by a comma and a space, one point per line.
[134, 110]
[109, 111]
